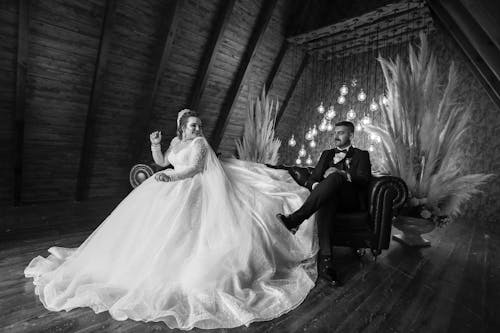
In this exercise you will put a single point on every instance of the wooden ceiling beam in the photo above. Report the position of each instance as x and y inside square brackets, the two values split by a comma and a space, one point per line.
[160, 59]
[447, 13]
[291, 89]
[276, 66]
[254, 43]
[96, 91]
[20, 106]
[210, 54]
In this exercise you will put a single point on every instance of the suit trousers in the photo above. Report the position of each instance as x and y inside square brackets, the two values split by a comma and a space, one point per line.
[334, 193]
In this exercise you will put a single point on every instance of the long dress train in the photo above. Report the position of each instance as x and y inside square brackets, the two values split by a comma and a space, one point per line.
[202, 251]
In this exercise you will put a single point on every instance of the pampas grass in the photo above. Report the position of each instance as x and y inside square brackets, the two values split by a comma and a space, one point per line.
[422, 131]
[258, 143]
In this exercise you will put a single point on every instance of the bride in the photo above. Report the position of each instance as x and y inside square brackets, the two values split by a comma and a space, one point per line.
[193, 246]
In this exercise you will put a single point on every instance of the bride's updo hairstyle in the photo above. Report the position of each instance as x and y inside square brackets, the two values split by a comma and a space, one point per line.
[183, 121]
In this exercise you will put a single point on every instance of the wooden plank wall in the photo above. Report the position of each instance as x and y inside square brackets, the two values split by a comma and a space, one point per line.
[63, 47]
[8, 46]
[130, 66]
[63, 41]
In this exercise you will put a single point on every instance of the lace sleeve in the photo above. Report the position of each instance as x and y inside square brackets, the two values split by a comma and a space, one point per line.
[198, 161]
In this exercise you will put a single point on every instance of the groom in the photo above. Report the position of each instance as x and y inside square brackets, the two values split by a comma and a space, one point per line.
[335, 182]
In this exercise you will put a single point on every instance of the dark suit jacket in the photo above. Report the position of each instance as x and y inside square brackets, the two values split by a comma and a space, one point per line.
[358, 167]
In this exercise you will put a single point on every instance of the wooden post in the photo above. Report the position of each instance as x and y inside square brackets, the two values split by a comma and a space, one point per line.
[95, 96]
[21, 66]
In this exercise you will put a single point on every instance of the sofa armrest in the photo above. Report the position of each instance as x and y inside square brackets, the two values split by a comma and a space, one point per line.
[142, 171]
[386, 195]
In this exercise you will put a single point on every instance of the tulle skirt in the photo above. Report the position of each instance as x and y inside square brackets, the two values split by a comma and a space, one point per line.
[203, 252]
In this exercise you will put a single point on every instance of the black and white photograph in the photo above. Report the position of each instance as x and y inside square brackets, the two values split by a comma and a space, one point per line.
[249, 166]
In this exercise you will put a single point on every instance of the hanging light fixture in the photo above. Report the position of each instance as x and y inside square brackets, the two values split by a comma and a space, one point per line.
[344, 90]
[374, 137]
[366, 120]
[330, 114]
[329, 126]
[351, 115]
[321, 108]
[361, 96]
[312, 143]
[292, 141]
[322, 125]
[309, 160]
[373, 105]
[309, 135]
[359, 127]
[302, 151]
[314, 131]
[341, 99]
[298, 161]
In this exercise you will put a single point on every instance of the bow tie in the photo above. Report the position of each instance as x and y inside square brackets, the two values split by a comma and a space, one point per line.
[336, 150]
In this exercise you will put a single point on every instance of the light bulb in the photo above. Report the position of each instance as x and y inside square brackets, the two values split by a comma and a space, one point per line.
[329, 127]
[341, 99]
[373, 137]
[371, 148]
[302, 151]
[373, 106]
[351, 114]
[361, 96]
[344, 90]
[366, 120]
[322, 126]
[378, 139]
[309, 135]
[309, 160]
[312, 144]
[298, 161]
[321, 108]
[314, 131]
[359, 127]
[330, 114]
[292, 141]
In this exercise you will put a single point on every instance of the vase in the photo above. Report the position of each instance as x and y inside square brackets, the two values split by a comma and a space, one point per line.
[412, 229]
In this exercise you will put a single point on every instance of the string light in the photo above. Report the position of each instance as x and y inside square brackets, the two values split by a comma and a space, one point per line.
[321, 108]
[292, 141]
[298, 161]
[309, 160]
[312, 144]
[302, 151]
[341, 99]
[351, 115]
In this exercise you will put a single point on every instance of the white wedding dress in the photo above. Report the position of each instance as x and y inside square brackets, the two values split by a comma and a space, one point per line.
[205, 250]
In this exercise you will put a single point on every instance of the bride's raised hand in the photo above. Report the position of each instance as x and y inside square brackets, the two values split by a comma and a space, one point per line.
[161, 177]
[155, 137]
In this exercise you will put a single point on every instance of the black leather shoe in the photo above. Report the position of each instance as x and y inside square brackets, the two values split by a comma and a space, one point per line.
[327, 273]
[286, 222]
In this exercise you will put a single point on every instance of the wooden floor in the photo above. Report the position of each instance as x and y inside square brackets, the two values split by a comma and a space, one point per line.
[453, 286]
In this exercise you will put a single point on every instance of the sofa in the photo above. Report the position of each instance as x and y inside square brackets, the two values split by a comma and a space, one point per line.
[370, 227]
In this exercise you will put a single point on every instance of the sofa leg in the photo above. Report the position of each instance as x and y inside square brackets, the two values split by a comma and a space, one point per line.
[375, 253]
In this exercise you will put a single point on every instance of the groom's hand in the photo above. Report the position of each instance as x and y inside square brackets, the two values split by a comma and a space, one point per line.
[331, 170]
